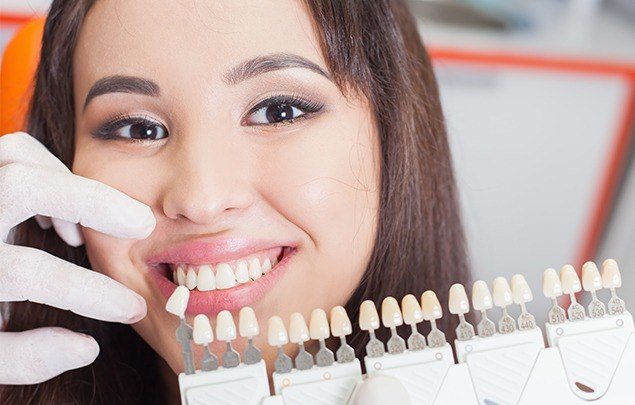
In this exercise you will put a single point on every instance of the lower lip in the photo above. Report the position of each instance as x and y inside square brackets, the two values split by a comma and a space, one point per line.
[231, 299]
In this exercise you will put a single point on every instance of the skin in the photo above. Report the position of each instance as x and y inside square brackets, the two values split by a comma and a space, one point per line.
[314, 181]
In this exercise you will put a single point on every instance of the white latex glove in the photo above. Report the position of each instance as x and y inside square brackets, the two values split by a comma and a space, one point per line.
[33, 181]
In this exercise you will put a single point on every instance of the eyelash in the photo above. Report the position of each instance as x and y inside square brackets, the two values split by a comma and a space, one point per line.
[108, 130]
[308, 107]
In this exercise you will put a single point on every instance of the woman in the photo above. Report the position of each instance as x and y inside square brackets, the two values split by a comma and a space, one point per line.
[304, 135]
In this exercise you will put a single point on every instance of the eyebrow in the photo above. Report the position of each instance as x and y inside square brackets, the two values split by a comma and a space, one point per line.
[268, 63]
[243, 71]
[122, 84]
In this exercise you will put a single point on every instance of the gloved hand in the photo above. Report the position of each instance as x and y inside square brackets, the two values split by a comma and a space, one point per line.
[33, 181]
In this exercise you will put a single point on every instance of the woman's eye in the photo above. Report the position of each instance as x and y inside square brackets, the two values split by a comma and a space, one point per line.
[280, 110]
[133, 129]
[147, 131]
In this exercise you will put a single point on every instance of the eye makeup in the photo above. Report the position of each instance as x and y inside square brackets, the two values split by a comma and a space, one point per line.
[141, 128]
[308, 108]
[291, 107]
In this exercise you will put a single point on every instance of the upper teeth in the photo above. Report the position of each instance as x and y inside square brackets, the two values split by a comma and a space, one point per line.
[206, 277]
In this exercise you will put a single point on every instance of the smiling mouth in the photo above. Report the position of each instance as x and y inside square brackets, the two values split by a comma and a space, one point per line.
[225, 275]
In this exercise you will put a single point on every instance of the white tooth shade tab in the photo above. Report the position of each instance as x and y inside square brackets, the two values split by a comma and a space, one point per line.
[319, 325]
[551, 287]
[569, 280]
[368, 316]
[591, 279]
[255, 271]
[180, 275]
[242, 272]
[502, 292]
[611, 277]
[190, 278]
[276, 332]
[340, 322]
[202, 330]
[205, 280]
[520, 289]
[225, 326]
[411, 310]
[430, 306]
[391, 313]
[458, 302]
[481, 296]
[298, 330]
[177, 303]
[247, 323]
[224, 276]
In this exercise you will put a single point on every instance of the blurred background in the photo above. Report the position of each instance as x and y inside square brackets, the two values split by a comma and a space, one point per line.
[539, 97]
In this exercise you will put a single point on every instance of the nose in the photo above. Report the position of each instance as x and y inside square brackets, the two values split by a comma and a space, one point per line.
[205, 186]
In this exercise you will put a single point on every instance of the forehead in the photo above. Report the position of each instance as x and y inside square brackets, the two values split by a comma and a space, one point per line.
[174, 41]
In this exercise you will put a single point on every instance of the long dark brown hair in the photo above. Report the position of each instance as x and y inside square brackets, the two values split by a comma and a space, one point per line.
[372, 48]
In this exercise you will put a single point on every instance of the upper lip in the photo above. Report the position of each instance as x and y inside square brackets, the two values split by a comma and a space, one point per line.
[207, 250]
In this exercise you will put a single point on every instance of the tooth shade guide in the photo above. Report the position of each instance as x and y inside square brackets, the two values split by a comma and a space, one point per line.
[341, 327]
[203, 335]
[299, 333]
[552, 289]
[503, 298]
[319, 330]
[412, 315]
[486, 326]
[522, 294]
[369, 321]
[248, 328]
[482, 301]
[431, 309]
[616, 304]
[277, 336]
[391, 318]
[459, 305]
[304, 376]
[226, 331]
[592, 282]
[571, 285]
[612, 279]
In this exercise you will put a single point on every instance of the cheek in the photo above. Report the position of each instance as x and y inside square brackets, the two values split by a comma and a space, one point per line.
[327, 183]
[108, 256]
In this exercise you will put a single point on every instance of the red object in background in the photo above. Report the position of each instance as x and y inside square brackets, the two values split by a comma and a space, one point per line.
[19, 63]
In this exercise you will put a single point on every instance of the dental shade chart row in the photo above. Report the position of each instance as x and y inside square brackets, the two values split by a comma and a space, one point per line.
[424, 365]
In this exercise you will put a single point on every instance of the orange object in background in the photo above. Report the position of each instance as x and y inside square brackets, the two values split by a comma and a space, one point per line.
[19, 63]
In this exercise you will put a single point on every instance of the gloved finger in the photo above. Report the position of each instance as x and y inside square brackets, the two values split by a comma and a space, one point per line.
[34, 275]
[43, 222]
[22, 147]
[68, 231]
[40, 354]
[28, 190]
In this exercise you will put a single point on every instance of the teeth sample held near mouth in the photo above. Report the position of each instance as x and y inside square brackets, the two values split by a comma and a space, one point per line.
[206, 277]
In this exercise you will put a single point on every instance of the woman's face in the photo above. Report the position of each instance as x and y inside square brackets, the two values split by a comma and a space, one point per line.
[222, 118]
